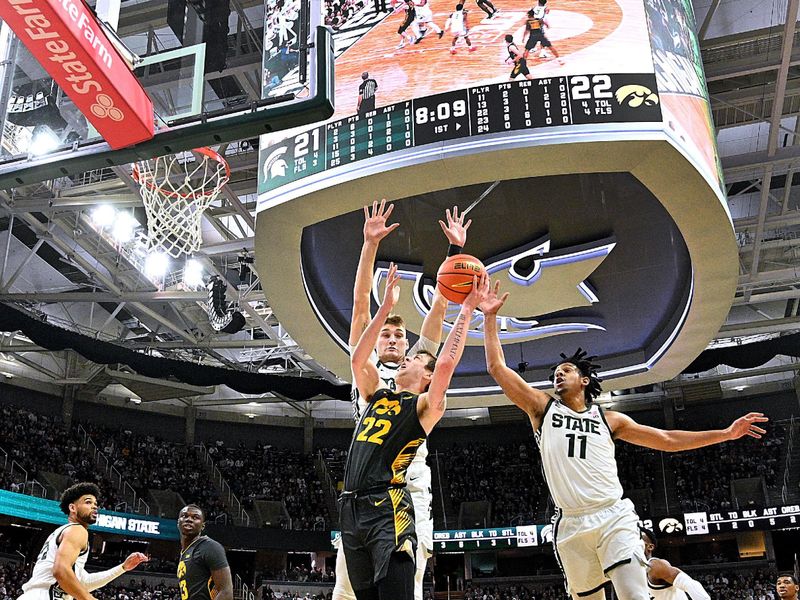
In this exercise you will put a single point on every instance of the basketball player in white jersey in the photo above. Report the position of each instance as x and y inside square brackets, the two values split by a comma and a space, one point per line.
[425, 20]
[666, 582]
[459, 26]
[389, 353]
[595, 532]
[59, 572]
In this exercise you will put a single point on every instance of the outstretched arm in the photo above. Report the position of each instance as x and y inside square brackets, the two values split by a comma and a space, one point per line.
[531, 400]
[93, 581]
[661, 570]
[364, 370]
[628, 430]
[456, 232]
[375, 229]
[433, 403]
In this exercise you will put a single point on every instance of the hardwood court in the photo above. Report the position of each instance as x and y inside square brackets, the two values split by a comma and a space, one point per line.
[590, 36]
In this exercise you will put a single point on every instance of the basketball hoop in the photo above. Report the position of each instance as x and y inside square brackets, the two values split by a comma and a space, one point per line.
[176, 189]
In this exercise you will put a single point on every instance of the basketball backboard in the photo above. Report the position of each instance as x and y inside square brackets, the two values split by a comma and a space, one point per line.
[215, 72]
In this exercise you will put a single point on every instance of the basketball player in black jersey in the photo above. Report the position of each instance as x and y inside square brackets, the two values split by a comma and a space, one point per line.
[203, 571]
[409, 23]
[517, 57]
[535, 23]
[377, 515]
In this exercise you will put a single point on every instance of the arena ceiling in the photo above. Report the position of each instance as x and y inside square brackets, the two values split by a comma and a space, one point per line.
[57, 262]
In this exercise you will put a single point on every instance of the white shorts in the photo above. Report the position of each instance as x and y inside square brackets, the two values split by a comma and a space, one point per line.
[589, 546]
[42, 594]
[424, 14]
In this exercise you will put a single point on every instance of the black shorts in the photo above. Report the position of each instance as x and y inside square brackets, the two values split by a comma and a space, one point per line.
[373, 528]
[406, 24]
[537, 36]
[520, 68]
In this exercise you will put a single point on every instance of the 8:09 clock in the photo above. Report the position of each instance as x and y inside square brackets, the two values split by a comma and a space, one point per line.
[441, 117]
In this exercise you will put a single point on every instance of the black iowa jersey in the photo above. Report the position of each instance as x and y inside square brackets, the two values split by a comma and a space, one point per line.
[384, 442]
[200, 558]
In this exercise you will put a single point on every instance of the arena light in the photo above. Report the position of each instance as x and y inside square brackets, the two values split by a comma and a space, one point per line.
[103, 216]
[193, 273]
[124, 227]
[155, 265]
[44, 140]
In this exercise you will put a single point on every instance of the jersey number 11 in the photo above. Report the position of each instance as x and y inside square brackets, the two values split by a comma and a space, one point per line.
[582, 440]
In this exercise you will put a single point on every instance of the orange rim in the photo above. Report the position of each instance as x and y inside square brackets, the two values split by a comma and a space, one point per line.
[205, 151]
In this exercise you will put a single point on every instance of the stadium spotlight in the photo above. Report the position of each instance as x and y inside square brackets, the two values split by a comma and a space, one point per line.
[44, 140]
[155, 265]
[103, 216]
[124, 226]
[193, 273]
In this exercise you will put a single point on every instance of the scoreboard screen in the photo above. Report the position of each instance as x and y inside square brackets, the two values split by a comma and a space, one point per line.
[486, 109]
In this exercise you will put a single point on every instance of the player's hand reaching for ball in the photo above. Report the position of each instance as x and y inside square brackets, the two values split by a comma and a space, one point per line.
[392, 292]
[491, 304]
[746, 425]
[134, 560]
[456, 229]
[375, 228]
[480, 290]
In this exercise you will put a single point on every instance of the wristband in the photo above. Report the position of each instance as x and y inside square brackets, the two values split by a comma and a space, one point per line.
[452, 250]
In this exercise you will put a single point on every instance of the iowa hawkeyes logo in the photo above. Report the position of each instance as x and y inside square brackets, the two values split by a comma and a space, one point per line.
[636, 95]
[670, 525]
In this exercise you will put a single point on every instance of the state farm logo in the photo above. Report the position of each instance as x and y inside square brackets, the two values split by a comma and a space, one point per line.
[104, 108]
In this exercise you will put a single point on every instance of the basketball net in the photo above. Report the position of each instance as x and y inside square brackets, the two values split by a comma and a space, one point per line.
[176, 190]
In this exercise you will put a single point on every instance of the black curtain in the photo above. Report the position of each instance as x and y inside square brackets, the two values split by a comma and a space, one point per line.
[747, 356]
[106, 353]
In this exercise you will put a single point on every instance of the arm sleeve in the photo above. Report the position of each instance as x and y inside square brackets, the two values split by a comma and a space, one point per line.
[93, 581]
[691, 587]
[214, 555]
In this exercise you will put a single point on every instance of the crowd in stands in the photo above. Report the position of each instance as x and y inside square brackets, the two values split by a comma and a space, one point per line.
[146, 462]
[703, 477]
[40, 443]
[508, 476]
[514, 592]
[13, 574]
[269, 473]
[300, 573]
[339, 12]
[740, 585]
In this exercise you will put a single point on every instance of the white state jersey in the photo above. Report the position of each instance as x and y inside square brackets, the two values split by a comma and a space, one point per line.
[578, 458]
[665, 591]
[539, 12]
[42, 577]
[424, 13]
[418, 471]
[458, 23]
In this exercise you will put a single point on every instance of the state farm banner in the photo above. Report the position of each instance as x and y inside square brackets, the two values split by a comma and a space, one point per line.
[66, 38]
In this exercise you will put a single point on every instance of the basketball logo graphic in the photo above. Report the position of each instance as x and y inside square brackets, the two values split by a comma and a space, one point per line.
[636, 95]
[104, 108]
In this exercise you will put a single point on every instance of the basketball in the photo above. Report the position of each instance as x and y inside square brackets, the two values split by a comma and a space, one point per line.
[456, 275]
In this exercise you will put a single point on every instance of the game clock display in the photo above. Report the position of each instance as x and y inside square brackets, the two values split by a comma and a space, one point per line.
[479, 110]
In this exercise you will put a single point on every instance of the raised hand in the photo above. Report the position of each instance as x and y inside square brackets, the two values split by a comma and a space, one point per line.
[392, 292]
[375, 228]
[746, 425]
[492, 304]
[456, 229]
[134, 560]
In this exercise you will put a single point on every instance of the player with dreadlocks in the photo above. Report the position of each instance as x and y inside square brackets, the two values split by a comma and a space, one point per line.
[595, 531]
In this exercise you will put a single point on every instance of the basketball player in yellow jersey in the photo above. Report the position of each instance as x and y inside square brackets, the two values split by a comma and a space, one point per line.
[595, 531]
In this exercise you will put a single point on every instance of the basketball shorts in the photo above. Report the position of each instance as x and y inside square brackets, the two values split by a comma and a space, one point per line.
[406, 24]
[520, 68]
[54, 593]
[588, 547]
[537, 36]
[374, 526]
[424, 15]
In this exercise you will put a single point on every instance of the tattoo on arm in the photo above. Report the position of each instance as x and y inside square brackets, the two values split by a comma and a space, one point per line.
[458, 333]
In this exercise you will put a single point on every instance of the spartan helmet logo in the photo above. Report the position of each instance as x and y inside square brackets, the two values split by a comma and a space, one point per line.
[275, 166]
[670, 525]
[547, 534]
[636, 96]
